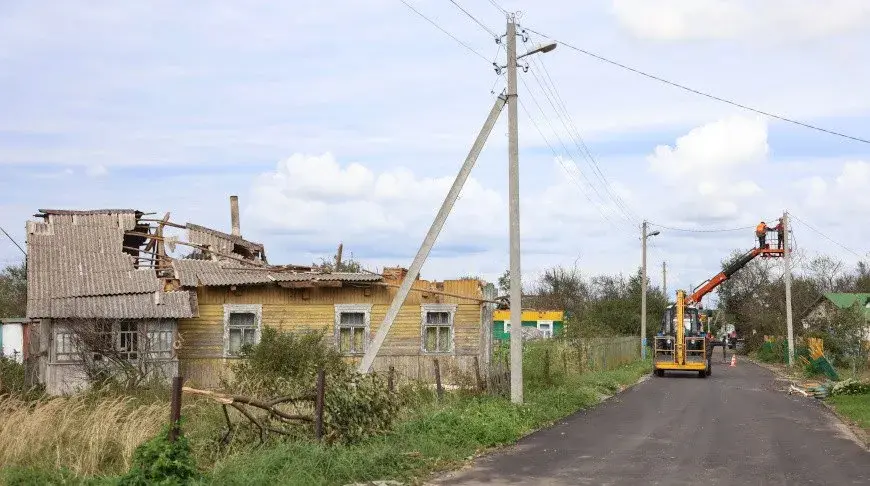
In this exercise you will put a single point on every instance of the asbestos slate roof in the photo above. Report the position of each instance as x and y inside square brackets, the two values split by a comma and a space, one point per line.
[209, 273]
[76, 267]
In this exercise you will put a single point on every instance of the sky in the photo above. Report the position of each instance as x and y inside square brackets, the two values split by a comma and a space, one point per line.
[347, 122]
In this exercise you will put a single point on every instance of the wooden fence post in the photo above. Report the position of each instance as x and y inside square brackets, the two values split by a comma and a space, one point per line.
[565, 361]
[318, 404]
[391, 379]
[438, 380]
[480, 384]
[175, 408]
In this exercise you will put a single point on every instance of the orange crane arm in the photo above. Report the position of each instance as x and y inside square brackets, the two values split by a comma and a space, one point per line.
[724, 275]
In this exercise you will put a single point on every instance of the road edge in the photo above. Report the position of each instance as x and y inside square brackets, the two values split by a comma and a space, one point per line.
[859, 436]
[437, 477]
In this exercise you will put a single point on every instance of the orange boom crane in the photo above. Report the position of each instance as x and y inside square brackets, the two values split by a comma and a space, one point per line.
[682, 344]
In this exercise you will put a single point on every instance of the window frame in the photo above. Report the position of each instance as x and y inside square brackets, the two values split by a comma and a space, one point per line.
[450, 309]
[65, 336]
[229, 309]
[366, 311]
[551, 331]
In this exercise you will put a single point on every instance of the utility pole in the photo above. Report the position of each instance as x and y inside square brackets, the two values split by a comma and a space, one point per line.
[516, 283]
[643, 237]
[665, 279]
[787, 278]
[643, 292]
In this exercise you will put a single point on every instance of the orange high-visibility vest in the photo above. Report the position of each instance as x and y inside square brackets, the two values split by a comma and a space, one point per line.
[761, 229]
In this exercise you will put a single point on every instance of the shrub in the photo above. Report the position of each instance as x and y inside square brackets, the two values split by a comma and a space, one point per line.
[161, 462]
[357, 406]
[286, 364]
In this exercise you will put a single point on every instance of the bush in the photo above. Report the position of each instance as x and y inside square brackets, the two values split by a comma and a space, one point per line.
[773, 352]
[161, 462]
[357, 406]
[283, 363]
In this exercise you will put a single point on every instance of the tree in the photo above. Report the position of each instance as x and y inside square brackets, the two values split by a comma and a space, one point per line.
[13, 291]
[504, 282]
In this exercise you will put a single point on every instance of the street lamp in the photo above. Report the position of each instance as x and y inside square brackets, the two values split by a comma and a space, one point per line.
[541, 48]
[644, 236]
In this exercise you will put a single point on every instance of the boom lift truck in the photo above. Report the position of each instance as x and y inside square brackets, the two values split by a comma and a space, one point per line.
[682, 343]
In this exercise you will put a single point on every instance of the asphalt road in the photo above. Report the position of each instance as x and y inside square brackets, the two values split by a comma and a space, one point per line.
[737, 427]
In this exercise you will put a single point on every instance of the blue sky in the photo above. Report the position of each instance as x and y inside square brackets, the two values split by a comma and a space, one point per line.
[346, 121]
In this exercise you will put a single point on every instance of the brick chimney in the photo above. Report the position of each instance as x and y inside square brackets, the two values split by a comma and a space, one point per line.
[234, 216]
[396, 274]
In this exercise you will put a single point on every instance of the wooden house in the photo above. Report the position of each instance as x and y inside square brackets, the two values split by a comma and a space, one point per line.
[106, 276]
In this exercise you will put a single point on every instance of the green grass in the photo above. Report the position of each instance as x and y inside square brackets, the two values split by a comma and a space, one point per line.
[430, 437]
[436, 437]
[854, 407]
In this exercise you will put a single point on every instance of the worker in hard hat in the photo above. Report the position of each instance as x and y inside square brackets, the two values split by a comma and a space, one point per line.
[761, 233]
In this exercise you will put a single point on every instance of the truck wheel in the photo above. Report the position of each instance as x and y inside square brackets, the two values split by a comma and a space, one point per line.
[702, 374]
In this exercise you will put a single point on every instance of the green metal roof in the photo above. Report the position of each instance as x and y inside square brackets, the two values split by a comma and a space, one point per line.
[845, 300]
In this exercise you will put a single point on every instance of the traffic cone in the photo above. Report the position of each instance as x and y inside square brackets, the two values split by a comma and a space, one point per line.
[733, 361]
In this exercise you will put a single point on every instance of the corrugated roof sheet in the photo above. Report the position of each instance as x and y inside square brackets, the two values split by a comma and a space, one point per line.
[218, 240]
[207, 273]
[846, 300]
[76, 267]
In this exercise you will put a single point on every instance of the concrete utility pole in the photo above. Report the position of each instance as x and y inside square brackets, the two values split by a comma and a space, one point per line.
[429, 241]
[516, 283]
[665, 279]
[787, 278]
[643, 286]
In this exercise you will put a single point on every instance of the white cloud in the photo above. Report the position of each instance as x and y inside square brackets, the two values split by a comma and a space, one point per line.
[736, 19]
[97, 170]
[712, 168]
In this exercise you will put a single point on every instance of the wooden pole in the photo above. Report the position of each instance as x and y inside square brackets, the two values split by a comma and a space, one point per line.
[438, 386]
[175, 408]
[391, 379]
[318, 404]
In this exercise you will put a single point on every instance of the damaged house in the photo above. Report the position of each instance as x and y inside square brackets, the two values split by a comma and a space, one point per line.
[109, 298]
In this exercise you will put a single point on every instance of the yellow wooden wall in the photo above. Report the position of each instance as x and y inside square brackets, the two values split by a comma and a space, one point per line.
[201, 353]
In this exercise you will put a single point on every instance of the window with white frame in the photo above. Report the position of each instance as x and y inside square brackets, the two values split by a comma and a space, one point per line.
[352, 324]
[242, 324]
[160, 340]
[507, 327]
[546, 328]
[66, 348]
[437, 327]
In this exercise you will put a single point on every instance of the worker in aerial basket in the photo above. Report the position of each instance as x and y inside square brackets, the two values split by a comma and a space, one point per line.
[761, 233]
[780, 233]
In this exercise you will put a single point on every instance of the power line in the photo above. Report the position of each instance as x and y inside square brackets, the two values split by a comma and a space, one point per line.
[575, 136]
[701, 93]
[499, 7]
[691, 230]
[472, 17]
[823, 235]
[560, 159]
[13, 241]
[463, 44]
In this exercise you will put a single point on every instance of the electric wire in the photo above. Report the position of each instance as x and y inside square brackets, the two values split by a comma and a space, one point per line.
[702, 93]
[823, 235]
[472, 17]
[553, 97]
[565, 148]
[499, 7]
[463, 44]
[560, 159]
[619, 201]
